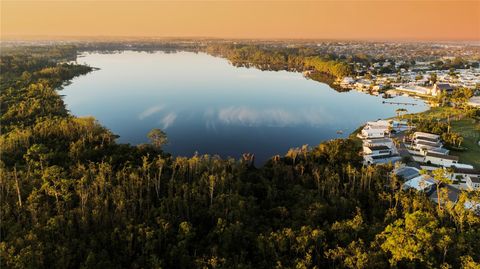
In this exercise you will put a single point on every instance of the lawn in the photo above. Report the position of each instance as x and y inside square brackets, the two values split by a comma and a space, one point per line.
[470, 130]
[437, 113]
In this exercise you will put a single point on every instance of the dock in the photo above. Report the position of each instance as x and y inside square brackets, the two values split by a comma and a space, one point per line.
[398, 103]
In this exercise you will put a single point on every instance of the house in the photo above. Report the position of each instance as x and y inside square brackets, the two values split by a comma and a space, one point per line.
[442, 151]
[473, 183]
[424, 145]
[363, 84]
[440, 87]
[474, 101]
[347, 81]
[416, 90]
[375, 129]
[379, 141]
[400, 125]
[452, 194]
[426, 142]
[419, 183]
[426, 136]
[381, 159]
[440, 159]
[465, 172]
[407, 172]
[376, 151]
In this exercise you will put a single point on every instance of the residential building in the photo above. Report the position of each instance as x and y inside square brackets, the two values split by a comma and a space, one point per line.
[440, 159]
[440, 87]
[474, 101]
[473, 183]
[452, 194]
[420, 183]
[407, 172]
[376, 151]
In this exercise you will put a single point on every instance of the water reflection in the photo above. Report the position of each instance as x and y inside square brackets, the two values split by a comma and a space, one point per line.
[204, 104]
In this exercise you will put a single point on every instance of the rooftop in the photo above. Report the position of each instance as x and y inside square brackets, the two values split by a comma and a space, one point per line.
[407, 172]
[475, 179]
[426, 135]
[378, 147]
[441, 156]
[431, 139]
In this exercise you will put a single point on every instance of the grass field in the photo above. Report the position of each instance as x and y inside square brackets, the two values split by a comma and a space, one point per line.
[437, 113]
[470, 130]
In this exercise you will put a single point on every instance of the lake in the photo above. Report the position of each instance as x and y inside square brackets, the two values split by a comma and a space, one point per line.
[208, 106]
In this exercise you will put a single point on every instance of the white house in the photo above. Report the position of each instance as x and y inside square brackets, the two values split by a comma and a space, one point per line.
[474, 101]
[347, 81]
[376, 151]
[426, 136]
[375, 129]
[378, 142]
[473, 183]
[440, 159]
[413, 89]
[419, 183]
[426, 142]
[400, 125]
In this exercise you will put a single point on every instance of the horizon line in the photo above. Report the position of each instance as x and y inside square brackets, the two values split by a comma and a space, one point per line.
[20, 38]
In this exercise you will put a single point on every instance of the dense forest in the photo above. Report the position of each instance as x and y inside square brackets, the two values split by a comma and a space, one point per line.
[71, 197]
[292, 59]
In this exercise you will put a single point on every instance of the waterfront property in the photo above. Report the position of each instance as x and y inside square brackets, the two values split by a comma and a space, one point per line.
[378, 151]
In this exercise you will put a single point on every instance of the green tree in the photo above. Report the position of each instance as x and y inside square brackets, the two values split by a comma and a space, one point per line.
[157, 137]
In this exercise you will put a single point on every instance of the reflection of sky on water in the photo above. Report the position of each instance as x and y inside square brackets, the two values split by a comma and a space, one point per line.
[206, 105]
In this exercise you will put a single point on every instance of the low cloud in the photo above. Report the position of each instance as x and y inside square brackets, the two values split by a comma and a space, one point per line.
[150, 111]
[168, 120]
[272, 117]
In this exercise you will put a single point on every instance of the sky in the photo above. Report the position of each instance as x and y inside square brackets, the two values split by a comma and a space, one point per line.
[268, 19]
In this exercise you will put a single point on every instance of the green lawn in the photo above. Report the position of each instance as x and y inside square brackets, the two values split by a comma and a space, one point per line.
[470, 130]
[436, 113]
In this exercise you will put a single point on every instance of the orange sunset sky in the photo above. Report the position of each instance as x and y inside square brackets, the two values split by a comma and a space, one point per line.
[322, 19]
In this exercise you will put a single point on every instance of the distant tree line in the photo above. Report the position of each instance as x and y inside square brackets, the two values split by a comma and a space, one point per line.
[292, 59]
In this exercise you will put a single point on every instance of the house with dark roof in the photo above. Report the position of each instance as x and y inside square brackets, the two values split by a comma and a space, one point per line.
[452, 194]
[407, 172]
[441, 87]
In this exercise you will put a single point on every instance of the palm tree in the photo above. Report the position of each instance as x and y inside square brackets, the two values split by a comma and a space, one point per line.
[400, 112]
[440, 177]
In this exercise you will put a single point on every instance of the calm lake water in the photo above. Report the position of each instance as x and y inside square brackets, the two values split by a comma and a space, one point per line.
[205, 104]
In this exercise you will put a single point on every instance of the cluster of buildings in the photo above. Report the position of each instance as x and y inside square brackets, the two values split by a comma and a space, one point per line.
[428, 149]
[416, 83]
[385, 141]
[378, 146]
[462, 180]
